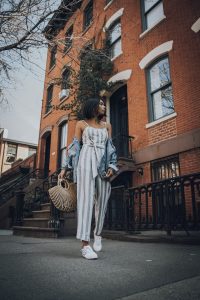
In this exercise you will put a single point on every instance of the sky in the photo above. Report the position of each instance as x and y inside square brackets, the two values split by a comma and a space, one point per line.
[21, 116]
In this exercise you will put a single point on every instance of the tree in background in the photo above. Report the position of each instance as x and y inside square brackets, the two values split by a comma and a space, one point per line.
[21, 31]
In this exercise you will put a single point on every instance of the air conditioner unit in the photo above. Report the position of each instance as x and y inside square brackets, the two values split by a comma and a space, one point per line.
[64, 93]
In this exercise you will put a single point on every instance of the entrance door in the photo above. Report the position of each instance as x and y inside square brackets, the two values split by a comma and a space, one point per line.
[119, 121]
[47, 155]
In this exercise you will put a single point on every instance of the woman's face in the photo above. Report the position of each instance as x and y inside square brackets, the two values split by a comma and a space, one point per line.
[102, 108]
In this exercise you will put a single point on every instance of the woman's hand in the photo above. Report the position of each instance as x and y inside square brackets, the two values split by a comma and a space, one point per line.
[109, 173]
[61, 174]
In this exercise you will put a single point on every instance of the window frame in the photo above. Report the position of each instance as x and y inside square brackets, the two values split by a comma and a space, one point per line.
[48, 98]
[150, 93]
[60, 150]
[145, 13]
[118, 21]
[68, 39]
[52, 61]
[64, 85]
[89, 6]
[166, 162]
[7, 153]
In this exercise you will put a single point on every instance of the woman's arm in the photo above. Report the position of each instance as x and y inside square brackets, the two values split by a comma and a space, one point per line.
[110, 170]
[79, 130]
[78, 136]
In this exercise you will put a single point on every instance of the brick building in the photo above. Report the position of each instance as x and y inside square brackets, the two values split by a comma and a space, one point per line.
[155, 101]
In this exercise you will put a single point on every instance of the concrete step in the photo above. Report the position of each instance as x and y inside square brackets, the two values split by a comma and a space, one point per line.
[41, 213]
[36, 222]
[46, 206]
[36, 232]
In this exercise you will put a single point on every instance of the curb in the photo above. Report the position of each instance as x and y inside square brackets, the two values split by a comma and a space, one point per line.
[191, 240]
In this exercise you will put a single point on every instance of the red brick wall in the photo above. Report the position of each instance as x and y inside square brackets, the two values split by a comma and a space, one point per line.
[184, 69]
[162, 131]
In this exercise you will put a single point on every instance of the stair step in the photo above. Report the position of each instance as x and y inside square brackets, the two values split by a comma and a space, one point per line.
[36, 222]
[41, 213]
[36, 232]
[46, 206]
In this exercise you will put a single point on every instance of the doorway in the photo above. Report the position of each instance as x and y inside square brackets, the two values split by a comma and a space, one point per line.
[47, 155]
[119, 121]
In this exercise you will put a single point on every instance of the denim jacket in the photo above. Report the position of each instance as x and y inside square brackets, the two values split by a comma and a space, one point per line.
[109, 159]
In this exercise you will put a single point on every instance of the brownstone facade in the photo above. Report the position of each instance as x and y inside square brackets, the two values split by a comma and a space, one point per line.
[160, 130]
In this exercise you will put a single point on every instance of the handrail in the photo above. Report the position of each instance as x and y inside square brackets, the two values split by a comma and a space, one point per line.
[18, 183]
[5, 174]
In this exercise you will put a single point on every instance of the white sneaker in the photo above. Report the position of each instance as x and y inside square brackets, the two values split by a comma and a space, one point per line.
[97, 246]
[88, 253]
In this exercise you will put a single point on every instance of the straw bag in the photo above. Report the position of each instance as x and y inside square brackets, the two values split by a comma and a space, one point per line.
[63, 195]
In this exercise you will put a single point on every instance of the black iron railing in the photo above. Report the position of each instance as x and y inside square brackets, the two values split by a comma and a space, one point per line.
[123, 144]
[117, 215]
[168, 204]
[19, 184]
[39, 196]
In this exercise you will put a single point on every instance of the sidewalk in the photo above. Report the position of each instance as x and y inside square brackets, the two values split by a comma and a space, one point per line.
[49, 269]
[155, 236]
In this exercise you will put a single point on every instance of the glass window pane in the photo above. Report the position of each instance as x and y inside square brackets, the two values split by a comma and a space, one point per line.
[116, 49]
[115, 32]
[63, 136]
[159, 74]
[65, 79]
[154, 15]
[11, 153]
[149, 3]
[163, 103]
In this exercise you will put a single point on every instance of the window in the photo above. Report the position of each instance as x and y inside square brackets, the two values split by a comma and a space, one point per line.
[53, 57]
[63, 145]
[160, 90]
[68, 38]
[65, 79]
[115, 39]
[11, 153]
[88, 15]
[49, 98]
[152, 12]
[163, 169]
[31, 151]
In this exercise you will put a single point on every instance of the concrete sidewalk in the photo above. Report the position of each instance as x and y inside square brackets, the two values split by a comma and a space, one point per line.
[155, 236]
[49, 269]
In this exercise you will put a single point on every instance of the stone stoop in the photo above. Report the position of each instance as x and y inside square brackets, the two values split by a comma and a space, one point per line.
[38, 225]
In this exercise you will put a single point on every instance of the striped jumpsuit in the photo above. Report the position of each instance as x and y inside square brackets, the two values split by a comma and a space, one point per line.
[91, 189]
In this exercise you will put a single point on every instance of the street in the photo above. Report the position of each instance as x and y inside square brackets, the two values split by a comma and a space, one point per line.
[33, 268]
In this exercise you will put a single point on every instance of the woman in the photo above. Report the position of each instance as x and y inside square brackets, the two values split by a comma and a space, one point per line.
[93, 164]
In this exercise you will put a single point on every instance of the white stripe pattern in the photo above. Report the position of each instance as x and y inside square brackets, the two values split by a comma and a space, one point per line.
[91, 189]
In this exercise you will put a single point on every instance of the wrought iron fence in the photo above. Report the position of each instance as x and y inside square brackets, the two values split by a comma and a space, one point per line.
[167, 204]
[19, 184]
[170, 204]
[117, 216]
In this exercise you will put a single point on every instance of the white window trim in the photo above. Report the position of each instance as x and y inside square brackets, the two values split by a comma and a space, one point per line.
[113, 18]
[155, 53]
[107, 5]
[113, 58]
[152, 27]
[45, 130]
[121, 76]
[196, 26]
[149, 125]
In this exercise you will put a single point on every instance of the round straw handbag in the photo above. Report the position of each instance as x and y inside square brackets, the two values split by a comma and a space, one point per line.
[63, 195]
